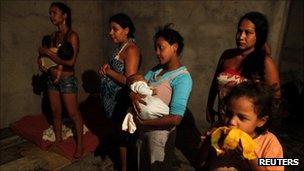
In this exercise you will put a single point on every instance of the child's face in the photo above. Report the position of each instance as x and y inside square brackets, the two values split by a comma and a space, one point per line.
[242, 115]
[164, 51]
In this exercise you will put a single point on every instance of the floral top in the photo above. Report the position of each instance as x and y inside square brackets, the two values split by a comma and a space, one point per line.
[227, 79]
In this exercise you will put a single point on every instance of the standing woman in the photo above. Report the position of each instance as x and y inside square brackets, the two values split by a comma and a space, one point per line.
[65, 91]
[251, 60]
[173, 82]
[124, 62]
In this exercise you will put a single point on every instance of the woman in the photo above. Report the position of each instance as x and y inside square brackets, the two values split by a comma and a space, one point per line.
[124, 62]
[66, 89]
[173, 82]
[251, 60]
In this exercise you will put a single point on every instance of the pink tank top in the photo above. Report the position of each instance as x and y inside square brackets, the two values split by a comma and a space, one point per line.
[164, 88]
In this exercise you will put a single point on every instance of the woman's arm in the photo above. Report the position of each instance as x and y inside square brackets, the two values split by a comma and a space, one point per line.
[74, 40]
[272, 76]
[131, 58]
[164, 122]
[210, 112]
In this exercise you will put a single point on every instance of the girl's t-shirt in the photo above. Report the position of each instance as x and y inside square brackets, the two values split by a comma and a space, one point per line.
[181, 83]
[269, 147]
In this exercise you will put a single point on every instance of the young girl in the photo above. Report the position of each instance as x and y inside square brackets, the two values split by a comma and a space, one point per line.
[170, 77]
[249, 109]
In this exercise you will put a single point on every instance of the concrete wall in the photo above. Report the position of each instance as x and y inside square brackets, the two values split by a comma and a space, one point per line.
[291, 57]
[207, 26]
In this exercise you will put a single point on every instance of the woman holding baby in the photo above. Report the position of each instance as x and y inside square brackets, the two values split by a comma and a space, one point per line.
[64, 91]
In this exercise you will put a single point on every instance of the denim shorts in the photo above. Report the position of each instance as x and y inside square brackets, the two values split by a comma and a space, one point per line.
[65, 85]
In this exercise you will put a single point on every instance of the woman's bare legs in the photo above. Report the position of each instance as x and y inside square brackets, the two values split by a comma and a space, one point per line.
[55, 101]
[71, 104]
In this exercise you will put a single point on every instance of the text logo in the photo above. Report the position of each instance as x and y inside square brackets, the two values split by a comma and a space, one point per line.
[278, 162]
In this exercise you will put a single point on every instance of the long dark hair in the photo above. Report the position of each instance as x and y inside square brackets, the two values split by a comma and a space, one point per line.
[171, 36]
[124, 21]
[66, 10]
[253, 64]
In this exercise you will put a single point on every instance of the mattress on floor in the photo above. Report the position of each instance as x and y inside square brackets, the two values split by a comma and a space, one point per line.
[31, 127]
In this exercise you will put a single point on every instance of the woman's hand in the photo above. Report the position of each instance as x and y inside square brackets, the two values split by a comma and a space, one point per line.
[206, 138]
[138, 121]
[136, 99]
[104, 69]
[43, 51]
[40, 66]
[154, 91]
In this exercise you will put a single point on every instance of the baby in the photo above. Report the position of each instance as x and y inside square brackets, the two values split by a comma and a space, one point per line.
[64, 52]
[154, 108]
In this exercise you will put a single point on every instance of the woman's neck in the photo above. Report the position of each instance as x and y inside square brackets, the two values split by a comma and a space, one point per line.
[124, 42]
[246, 52]
[62, 28]
[173, 64]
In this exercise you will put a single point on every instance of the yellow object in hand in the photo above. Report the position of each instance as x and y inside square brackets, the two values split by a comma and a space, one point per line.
[233, 138]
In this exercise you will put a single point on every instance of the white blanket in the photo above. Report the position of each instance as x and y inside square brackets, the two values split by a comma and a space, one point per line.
[155, 107]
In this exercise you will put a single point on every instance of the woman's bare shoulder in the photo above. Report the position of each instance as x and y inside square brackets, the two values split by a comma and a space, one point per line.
[132, 48]
[73, 34]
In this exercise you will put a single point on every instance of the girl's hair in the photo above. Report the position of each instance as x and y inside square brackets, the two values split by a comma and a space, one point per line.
[66, 10]
[253, 64]
[124, 21]
[171, 36]
[261, 97]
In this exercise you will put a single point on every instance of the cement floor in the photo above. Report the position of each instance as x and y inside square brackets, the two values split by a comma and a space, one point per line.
[19, 154]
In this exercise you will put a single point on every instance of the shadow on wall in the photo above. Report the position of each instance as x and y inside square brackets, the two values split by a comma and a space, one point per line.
[39, 84]
[94, 118]
[91, 109]
[188, 139]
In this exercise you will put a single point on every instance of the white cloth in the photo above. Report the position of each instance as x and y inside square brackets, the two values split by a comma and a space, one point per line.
[155, 107]
[49, 134]
[128, 124]
[47, 62]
